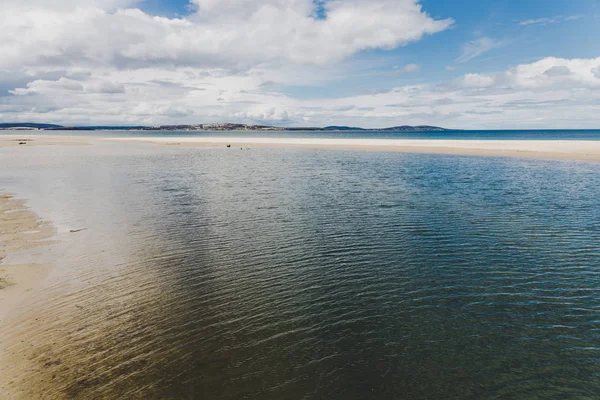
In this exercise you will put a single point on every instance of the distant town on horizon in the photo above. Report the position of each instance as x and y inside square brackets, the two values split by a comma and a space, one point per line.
[216, 127]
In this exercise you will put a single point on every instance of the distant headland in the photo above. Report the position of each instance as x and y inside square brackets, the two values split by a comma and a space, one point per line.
[215, 127]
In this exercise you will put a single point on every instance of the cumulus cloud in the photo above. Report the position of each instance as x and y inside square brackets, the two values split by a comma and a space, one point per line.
[62, 85]
[66, 5]
[555, 73]
[478, 81]
[224, 32]
[544, 74]
[106, 60]
[506, 99]
[558, 70]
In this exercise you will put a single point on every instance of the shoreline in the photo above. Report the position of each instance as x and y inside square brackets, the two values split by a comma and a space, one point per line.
[587, 150]
[542, 149]
[20, 230]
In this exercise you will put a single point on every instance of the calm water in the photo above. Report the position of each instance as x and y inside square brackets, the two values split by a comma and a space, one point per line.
[555, 134]
[310, 274]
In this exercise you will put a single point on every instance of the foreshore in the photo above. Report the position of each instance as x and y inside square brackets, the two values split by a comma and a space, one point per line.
[550, 149]
[542, 149]
[20, 230]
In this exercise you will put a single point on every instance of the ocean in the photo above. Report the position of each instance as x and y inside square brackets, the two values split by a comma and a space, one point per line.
[548, 134]
[292, 273]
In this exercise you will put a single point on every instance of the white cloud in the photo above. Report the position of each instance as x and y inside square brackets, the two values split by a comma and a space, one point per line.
[573, 17]
[478, 81]
[101, 60]
[545, 74]
[558, 70]
[450, 68]
[555, 73]
[63, 85]
[538, 21]
[514, 98]
[546, 21]
[411, 68]
[407, 69]
[477, 47]
[66, 5]
[224, 32]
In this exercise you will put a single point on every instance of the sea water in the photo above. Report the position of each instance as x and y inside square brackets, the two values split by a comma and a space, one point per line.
[217, 273]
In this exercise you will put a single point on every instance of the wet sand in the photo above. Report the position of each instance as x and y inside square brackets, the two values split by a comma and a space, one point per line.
[28, 140]
[20, 230]
[542, 149]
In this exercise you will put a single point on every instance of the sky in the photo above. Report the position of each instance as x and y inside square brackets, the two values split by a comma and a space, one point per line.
[470, 64]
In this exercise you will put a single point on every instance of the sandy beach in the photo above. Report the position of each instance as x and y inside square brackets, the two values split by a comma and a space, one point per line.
[542, 149]
[20, 230]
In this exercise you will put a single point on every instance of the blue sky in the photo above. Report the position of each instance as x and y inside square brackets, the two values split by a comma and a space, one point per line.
[467, 64]
[500, 21]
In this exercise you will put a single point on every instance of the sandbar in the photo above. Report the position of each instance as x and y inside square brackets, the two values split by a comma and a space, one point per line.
[546, 149]
[541, 149]
[26, 140]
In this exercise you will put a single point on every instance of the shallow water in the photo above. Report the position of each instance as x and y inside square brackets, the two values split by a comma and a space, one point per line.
[308, 274]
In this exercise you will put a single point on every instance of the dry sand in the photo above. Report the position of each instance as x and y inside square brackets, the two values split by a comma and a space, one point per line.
[20, 230]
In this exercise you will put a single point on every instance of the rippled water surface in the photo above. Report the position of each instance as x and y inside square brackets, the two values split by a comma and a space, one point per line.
[309, 274]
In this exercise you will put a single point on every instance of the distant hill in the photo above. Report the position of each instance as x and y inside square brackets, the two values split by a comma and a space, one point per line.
[7, 125]
[70, 128]
[96, 128]
[418, 128]
[114, 128]
[342, 128]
